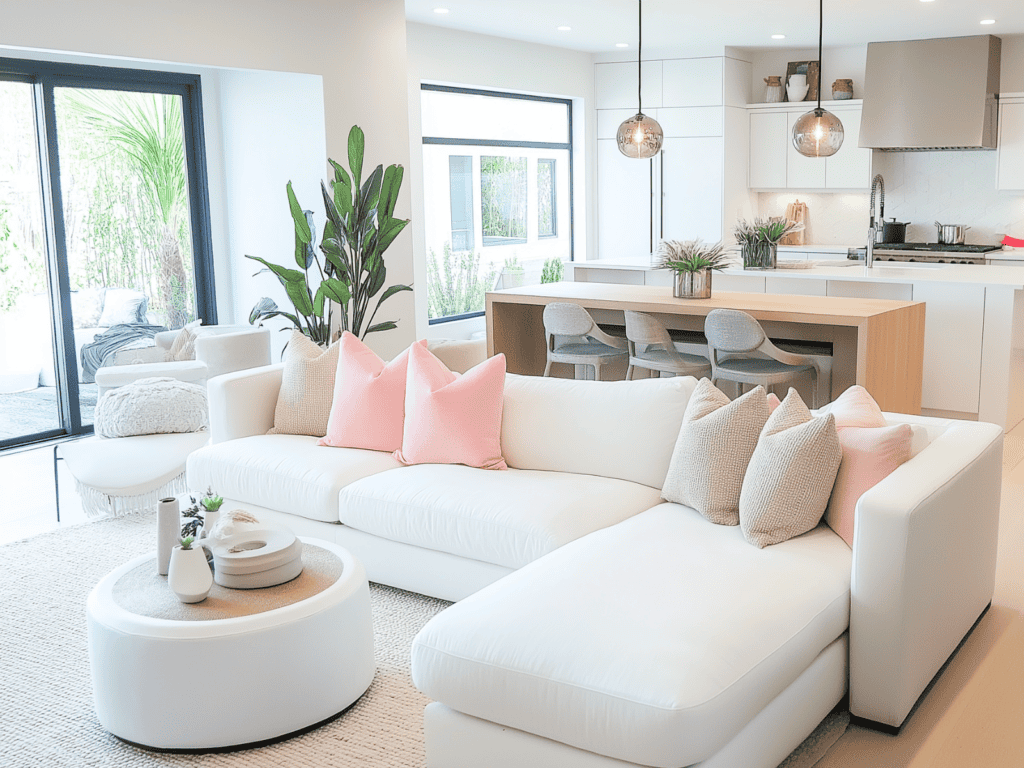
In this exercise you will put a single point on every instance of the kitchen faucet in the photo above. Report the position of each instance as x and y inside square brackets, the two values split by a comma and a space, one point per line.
[873, 229]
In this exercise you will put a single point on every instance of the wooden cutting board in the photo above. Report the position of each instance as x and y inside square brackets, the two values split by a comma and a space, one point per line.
[796, 211]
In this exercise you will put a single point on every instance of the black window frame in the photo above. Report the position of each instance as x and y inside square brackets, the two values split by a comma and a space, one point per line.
[45, 76]
[509, 144]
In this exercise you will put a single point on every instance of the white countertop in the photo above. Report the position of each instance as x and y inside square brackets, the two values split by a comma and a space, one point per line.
[963, 274]
[817, 248]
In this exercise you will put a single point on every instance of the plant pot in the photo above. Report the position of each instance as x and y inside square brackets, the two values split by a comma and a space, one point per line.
[513, 278]
[759, 255]
[692, 285]
[189, 576]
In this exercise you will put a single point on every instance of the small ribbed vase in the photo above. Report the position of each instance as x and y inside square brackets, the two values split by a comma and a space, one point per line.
[759, 255]
[692, 285]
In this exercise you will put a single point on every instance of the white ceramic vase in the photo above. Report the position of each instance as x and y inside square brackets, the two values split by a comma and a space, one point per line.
[189, 576]
[168, 529]
[796, 88]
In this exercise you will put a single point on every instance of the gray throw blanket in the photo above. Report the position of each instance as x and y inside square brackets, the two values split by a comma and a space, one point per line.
[111, 340]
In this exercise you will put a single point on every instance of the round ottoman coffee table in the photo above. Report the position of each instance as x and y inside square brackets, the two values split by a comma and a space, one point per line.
[242, 667]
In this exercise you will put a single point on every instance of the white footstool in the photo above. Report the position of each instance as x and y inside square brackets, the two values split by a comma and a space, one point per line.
[241, 668]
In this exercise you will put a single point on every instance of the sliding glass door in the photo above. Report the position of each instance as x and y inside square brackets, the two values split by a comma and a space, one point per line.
[104, 235]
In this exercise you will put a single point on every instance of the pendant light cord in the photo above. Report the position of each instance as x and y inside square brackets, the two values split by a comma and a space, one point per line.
[640, 57]
[821, 14]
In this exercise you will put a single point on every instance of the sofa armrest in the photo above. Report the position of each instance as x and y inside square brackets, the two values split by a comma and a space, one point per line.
[242, 403]
[165, 339]
[924, 557]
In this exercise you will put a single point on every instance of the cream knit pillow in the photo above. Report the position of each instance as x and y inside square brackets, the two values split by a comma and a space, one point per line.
[714, 446]
[307, 388]
[790, 476]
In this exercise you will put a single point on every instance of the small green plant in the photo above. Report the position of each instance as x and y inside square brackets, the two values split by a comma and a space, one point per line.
[186, 542]
[211, 502]
[455, 283]
[553, 270]
[691, 256]
[193, 519]
[512, 264]
[764, 230]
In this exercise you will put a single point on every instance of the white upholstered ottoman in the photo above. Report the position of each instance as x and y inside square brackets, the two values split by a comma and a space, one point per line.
[240, 668]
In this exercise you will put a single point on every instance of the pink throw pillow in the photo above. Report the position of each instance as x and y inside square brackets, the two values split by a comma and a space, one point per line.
[871, 451]
[870, 454]
[452, 419]
[368, 410]
[773, 402]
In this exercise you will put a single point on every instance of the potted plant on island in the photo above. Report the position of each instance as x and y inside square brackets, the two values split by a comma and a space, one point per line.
[360, 227]
[692, 261]
[759, 240]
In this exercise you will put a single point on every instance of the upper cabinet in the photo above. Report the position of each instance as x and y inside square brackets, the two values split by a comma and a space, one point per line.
[1010, 176]
[775, 163]
[692, 82]
[615, 85]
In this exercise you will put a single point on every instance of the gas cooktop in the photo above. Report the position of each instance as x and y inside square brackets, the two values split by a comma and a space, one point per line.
[942, 247]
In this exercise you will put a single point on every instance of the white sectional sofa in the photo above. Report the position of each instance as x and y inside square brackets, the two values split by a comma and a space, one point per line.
[596, 625]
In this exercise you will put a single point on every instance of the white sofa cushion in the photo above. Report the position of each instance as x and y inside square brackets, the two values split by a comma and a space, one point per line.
[620, 429]
[289, 473]
[659, 665]
[507, 518]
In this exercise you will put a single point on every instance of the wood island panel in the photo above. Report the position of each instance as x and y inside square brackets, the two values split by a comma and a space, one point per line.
[876, 343]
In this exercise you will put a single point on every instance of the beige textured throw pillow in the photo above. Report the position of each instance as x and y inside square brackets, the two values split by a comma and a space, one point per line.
[307, 388]
[790, 476]
[715, 443]
[184, 345]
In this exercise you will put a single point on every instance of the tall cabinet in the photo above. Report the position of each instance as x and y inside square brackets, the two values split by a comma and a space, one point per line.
[684, 191]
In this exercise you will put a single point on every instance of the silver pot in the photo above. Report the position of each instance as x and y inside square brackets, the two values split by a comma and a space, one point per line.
[692, 285]
[951, 234]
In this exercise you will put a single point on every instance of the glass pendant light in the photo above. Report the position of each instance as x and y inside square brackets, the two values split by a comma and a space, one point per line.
[818, 133]
[640, 136]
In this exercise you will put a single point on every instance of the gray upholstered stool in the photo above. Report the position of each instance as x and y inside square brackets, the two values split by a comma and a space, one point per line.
[749, 355]
[651, 347]
[588, 345]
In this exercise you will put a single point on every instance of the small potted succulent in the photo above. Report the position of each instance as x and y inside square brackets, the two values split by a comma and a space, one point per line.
[759, 240]
[189, 575]
[692, 261]
[201, 514]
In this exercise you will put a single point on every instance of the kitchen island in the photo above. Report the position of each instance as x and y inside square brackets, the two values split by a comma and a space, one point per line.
[974, 323]
[872, 342]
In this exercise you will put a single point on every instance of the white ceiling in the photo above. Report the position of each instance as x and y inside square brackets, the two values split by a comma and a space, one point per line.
[597, 25]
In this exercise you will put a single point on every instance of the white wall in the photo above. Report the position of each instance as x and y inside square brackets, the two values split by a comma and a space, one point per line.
[450, 57]
[357, 47]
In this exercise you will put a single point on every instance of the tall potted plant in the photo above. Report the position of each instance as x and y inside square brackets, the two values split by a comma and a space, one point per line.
[692, 261]
[359, 229]
[759, 240]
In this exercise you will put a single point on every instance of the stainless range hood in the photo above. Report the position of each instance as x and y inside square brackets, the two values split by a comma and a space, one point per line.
[922, 95]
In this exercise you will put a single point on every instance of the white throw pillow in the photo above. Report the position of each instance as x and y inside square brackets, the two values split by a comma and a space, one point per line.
[158, 405]
[123, 305]
[790, 476]
[715, 443]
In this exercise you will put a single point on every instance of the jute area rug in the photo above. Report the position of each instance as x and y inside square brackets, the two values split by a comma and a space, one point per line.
[46, 712]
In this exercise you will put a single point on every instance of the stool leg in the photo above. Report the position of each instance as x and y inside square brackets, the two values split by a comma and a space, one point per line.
[56, 482]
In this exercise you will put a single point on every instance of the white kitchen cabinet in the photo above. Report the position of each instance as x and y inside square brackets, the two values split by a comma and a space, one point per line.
[692, 82]
[692, 181]
[687, 122]
[850, 167]
[1010, 173]
[624, 203]
[615, 85]
[767, 150]
[801, 172]
[954, 321]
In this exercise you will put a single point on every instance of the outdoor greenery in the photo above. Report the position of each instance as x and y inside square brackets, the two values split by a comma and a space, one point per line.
[691, 255]
[546, 198]
[553, 270]
[455, 285]
[503, 196]
[360, 227]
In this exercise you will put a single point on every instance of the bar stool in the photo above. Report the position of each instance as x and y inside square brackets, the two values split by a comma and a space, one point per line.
[594, 347]
[657, 351]
[737, 335]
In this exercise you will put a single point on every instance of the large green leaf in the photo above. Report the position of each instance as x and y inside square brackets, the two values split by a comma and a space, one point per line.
[299, 217]
[333, 216]
[389, 191]
[299, 294]
[356, 147]
[387, 325]
[388, 234]
[369, 195]
[335, 290]
[340, 174]
[343, 197]
[284, 274]
[378, 274]
[391, 291]
[304, 254]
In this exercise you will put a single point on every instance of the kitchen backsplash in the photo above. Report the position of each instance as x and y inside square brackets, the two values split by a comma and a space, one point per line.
[920, 188]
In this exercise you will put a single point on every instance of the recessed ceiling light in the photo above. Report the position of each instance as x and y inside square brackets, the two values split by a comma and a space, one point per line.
[622, 45]
[565, 29]
[927, 1]
[988, 21]
[778, 37]
[440, 10]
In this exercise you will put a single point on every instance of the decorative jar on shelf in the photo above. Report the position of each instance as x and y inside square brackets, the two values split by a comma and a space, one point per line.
[692, 285]
[761, 255]
[773, 89]
[842, 89]
[797, 87]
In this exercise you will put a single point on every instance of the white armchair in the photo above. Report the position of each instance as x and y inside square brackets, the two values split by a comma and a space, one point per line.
[220, 349]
